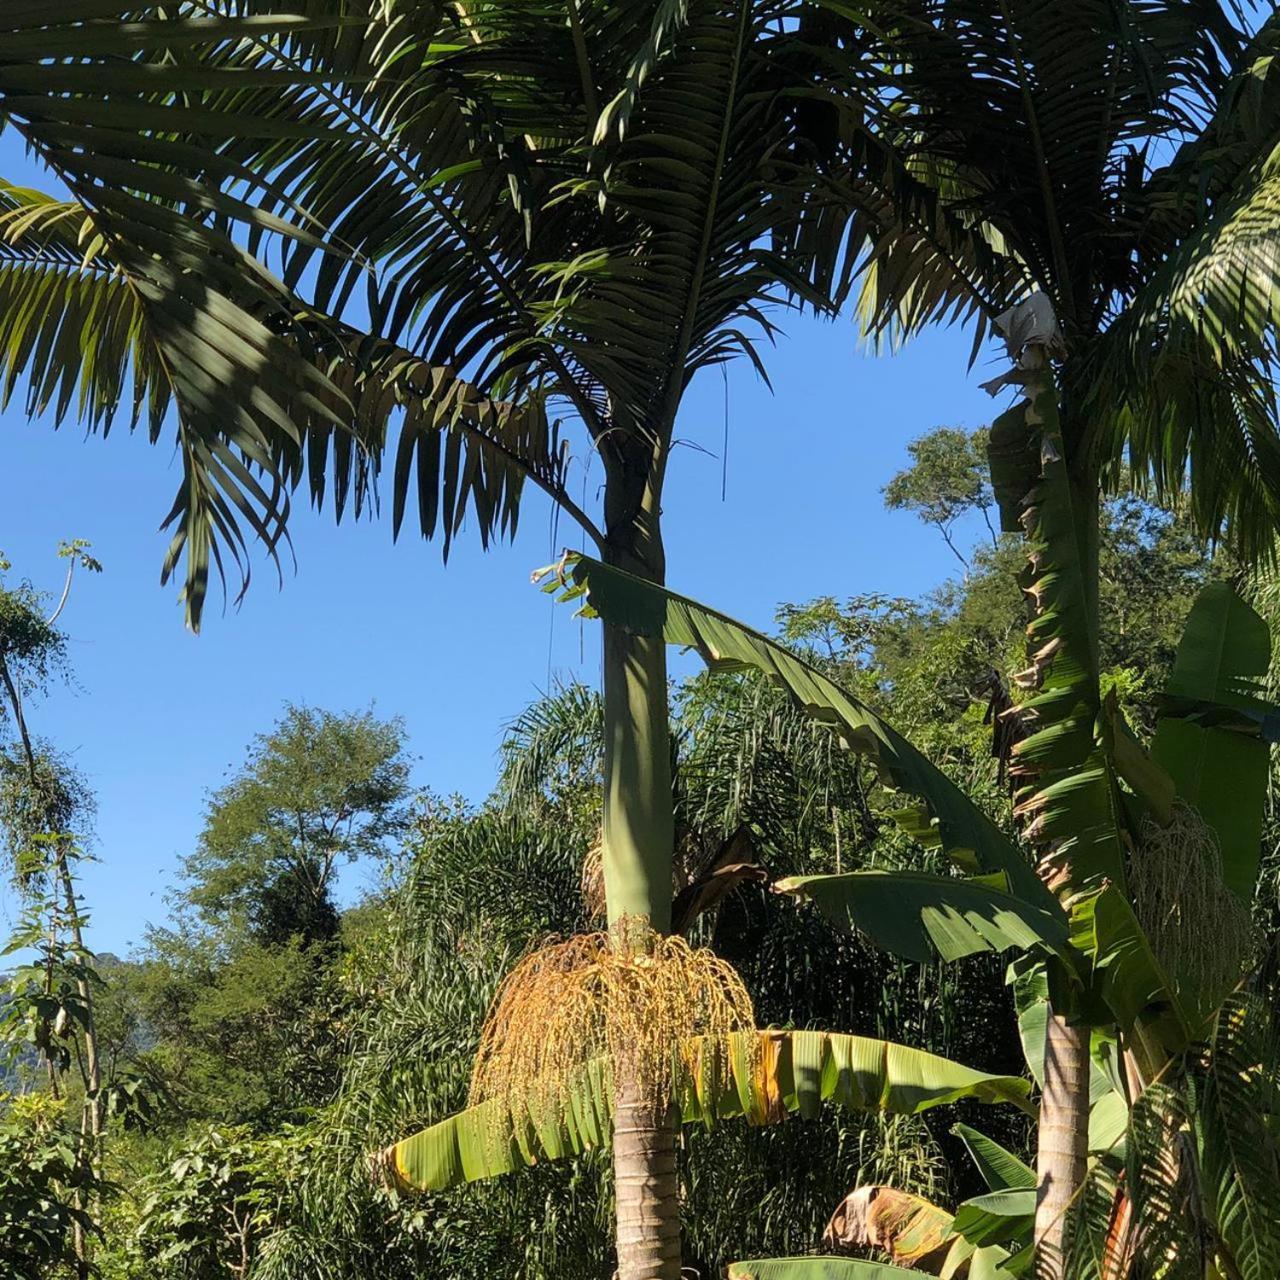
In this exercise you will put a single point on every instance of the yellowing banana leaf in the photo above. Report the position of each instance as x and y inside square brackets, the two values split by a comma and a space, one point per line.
[761, 1076]
[949, 817]
[1001, 1170]
[1213, 733]
[913, 914]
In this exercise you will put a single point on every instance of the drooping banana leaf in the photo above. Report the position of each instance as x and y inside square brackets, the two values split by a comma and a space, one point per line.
[1001, 1170]
[762, 1076]
[1215, 726]
[913, 914]
[818, 1269]
[984, 1264]
[948, 816]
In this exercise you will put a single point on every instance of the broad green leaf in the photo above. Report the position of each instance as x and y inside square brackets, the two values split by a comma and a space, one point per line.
[1213, 733]
[913, 914]
[1223, 656]
[1029, 976]
[789, 1071]
[949, 816]
[1001, 1170]
[1000, 1217]
[1108, 1120]
[1130, 978]
[1068, 793]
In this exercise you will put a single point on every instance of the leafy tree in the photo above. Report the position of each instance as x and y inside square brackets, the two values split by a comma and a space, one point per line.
[233, 1031]
[42, 802]
[44, 1185]
[317, 790]
[947, 479]
[205, 1216]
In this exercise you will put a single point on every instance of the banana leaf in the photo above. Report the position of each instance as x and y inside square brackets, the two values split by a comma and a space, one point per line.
[1068, 793]
[948, 817]
[765, 1081]
[1000, 1217]
[1215, 727]
[913, 914]
[1129, 977]
[817, 1269]
[1001, 1170]
[984, 1264]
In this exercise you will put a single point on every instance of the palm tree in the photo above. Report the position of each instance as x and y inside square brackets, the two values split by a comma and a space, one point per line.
[1097, 183]
[301, 231]
[579, 207]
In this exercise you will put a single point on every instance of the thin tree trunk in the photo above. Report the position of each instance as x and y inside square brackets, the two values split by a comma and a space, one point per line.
[1062, 1142]
[91, 1117]
[639, 843]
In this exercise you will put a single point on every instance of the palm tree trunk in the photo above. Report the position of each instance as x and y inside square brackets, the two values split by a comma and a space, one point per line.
[639, 826]
[1064, 1106]
[647, 1189]
[1062, 1142]
[639, 842]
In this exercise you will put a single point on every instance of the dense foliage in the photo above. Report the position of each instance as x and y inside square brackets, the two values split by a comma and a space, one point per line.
[256, 1066]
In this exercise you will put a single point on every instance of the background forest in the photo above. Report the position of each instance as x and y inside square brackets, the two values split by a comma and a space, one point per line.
[267, 1039]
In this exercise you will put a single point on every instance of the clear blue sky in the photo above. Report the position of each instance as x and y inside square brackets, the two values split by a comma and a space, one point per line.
[156, 715]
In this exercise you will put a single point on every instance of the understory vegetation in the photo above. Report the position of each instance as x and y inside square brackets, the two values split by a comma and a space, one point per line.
[272, 1035]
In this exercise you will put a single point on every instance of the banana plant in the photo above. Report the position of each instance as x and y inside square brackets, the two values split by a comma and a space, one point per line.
[1111, 957]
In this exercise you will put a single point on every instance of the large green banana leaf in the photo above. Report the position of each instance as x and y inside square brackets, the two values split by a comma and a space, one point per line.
[790, 1071]
[1000, 1217]
[949, 817]
[1214, 732]
[913, 914]
[1129, 977]
[1001, 1170]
